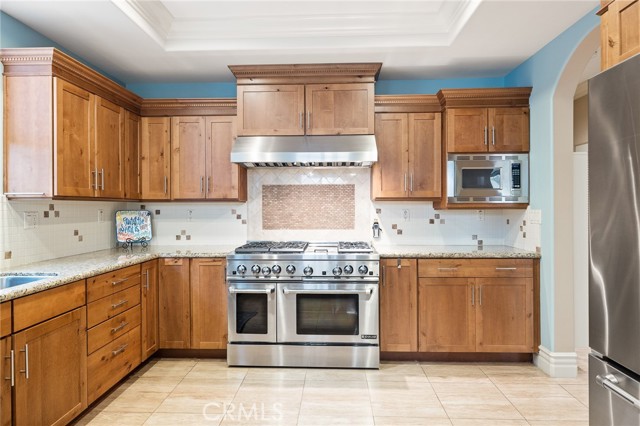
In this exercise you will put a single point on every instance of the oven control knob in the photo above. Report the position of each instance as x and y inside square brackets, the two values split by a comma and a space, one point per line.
[363, 269]
[291, 269]
[266, 270]
[348, 269]
[276, 269]
[255, 269]
[308, 270]
[337, 271]
[241, 269]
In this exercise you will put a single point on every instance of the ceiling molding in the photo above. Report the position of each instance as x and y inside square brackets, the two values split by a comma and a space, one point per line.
[151, 16]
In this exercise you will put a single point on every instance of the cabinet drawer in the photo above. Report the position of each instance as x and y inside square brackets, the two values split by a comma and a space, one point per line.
[38, 307]
[5, 319]
[109, 330]
[501, 268]
[109, 307]
[112, 362]
[111, 282]
[176, 261]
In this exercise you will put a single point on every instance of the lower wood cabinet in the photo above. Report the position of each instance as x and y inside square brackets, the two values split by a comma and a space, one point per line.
[174, 297]
[6, 383]
[149, 303]
[398, 305]
[208, 304]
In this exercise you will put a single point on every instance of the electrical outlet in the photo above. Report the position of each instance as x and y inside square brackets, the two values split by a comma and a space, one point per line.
[30, 220]
[406, 215]
[189, 215]
[100, 215]
[535, 216]
[481, 215]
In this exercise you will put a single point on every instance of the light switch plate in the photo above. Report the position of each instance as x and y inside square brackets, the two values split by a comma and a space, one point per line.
[30, 220]
[535, 216]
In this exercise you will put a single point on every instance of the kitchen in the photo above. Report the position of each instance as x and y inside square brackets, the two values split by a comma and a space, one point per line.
[87, 226]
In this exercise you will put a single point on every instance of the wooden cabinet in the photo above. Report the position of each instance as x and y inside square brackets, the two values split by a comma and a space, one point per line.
[339, 109]
[50, 366]
[200, 164]
[132, 189]
[149, 304]
[174, 299]
[268, 110]
[6, 384]
[398, 305]
[409, 158]
[487, 130]
[155, 158]
[619, 31]
[110, 159]
[208, 304]
[476, 305]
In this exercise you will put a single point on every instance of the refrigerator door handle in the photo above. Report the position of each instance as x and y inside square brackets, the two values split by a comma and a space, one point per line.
[610, 382]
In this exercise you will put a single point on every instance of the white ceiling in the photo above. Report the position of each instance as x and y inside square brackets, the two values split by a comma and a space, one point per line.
[194, 41]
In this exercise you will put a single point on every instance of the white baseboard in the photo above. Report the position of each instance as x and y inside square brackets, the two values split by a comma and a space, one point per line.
[557, 364]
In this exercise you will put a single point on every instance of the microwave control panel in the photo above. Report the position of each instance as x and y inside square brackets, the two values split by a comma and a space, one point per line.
[515, 176]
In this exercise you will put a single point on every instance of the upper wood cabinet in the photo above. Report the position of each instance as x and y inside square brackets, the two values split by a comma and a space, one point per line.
[132, 156]
[409, 156]
[64, 127]
[312, 99]
[155, 158]
[485, 120]
[619, 31]
[200, 164]
[398, 305]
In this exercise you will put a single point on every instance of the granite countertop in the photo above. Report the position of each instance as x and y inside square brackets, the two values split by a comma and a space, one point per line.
[461, 252]
[73, 268]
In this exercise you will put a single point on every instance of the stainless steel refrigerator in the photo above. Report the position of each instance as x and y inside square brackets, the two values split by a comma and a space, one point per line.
[614, 238]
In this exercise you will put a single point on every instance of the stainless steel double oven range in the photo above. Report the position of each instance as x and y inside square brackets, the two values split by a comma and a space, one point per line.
[299, 304]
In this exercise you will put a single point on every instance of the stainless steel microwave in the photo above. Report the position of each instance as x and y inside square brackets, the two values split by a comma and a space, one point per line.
[488, 178]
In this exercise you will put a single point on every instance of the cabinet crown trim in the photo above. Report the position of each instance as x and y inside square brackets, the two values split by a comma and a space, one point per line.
[303, 73]
[185, 106]
[407, 103]
[498, 97]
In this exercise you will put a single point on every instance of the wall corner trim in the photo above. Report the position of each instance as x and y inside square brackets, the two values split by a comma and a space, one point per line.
[557, 364]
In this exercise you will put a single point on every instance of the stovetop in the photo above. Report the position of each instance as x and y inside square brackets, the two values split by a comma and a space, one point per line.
[305, 247]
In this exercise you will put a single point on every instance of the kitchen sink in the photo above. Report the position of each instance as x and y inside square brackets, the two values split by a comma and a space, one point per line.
[7, 281]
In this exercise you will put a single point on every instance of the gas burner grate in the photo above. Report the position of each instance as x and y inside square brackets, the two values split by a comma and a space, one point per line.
[354, 247]
[288, 247]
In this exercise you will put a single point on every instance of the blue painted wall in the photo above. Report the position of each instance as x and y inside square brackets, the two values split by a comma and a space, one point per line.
[430, 87]
[542, 71]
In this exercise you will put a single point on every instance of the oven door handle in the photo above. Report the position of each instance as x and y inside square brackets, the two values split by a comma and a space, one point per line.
[268, 290]
[368, 291]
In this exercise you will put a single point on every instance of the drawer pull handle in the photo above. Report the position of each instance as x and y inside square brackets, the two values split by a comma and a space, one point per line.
[120, 303]
[448, 269]
[122, 325]
[507, 269]
[119, 350]
[115, 283]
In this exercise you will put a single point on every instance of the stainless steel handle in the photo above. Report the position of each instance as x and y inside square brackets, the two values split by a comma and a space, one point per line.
[25, 194]
[208, 179]
[301, 121]
[485, 135]
[480, 295]
[26, 361]
[448, 269]
[122, 325]
[94, 178]
[202, 184]
[611, 382]
[308, 119]
[146, 284]
[473, 295]
[120, 303]
[384, 276]
[267, 290]
[411, 182]
[119, 350]
[166, 186]
[507, 269]
[493, 135]
[368, 291]
[115, 283]
[405, 182]
[12, 377]
[102, 178]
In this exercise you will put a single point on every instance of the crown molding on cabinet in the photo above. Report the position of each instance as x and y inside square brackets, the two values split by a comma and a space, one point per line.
[407, 103]
[479, 98]
[306, 73]
[185, 106]
[52, 62]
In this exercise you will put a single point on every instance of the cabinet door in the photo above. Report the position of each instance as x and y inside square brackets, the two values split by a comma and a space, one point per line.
[149, 302]
[425, 162]
[155, 158]
[225, 180]
[389, 177]
[188, 171]
[509, 129]
[504, 315]
[447, 318]
[109, 149]
[208, 304]
[5, 385]
[624, 29]
[340, 109]
[51, 370]
[174, 319]
[74, 154]
[132, 156]
[398, 305]
[270, 110]
[467, 130]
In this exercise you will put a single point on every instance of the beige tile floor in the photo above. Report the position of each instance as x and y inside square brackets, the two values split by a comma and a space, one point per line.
[207, 392]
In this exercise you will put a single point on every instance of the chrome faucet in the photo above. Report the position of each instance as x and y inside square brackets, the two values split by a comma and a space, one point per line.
[376, 228]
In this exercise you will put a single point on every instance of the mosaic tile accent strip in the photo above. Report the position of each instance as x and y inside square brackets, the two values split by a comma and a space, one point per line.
[308, 206]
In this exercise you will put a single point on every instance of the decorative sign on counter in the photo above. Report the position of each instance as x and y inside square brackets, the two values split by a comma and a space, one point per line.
[133, 226]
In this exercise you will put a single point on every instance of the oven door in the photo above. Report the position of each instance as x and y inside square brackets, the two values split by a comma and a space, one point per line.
[251, 312]
[328, 313]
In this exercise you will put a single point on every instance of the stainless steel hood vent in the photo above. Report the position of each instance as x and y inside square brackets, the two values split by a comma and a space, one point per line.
[305, 151]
